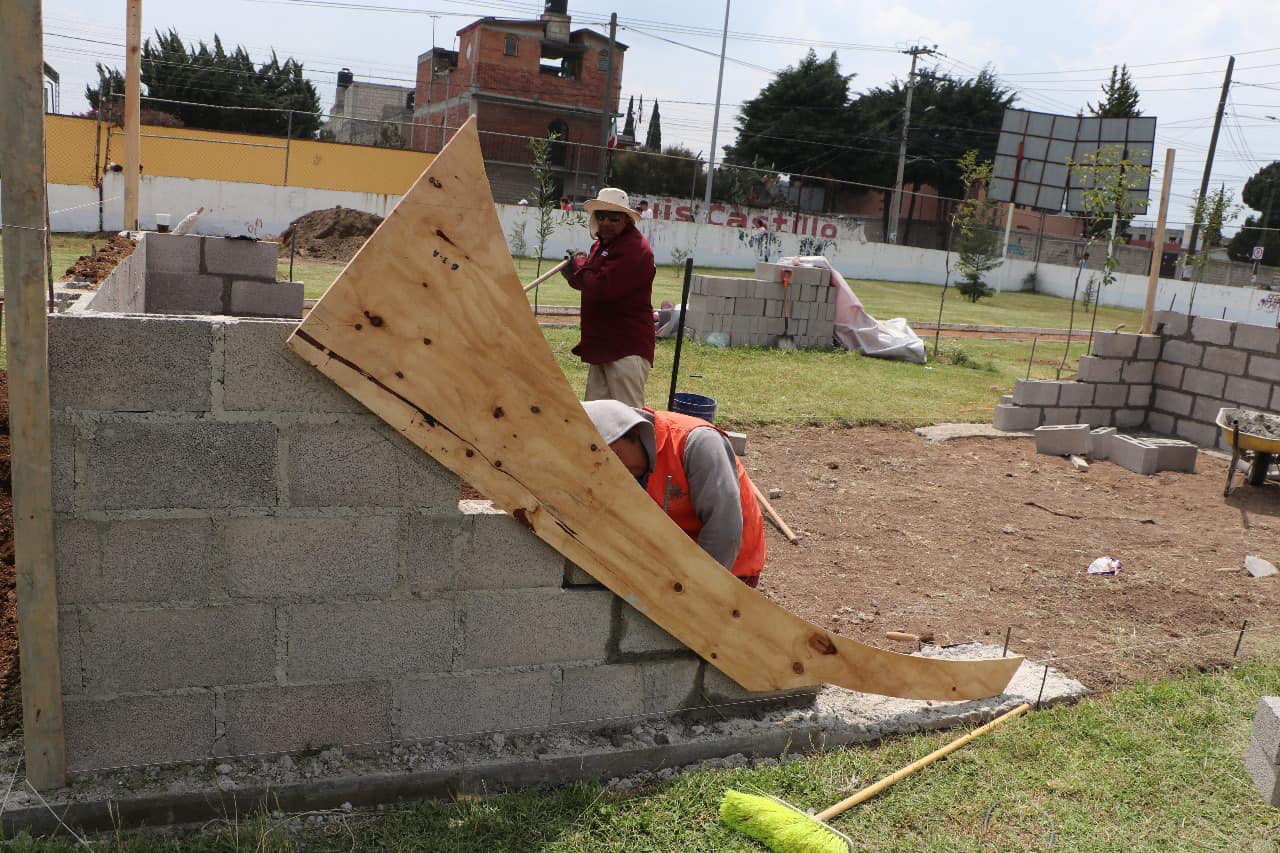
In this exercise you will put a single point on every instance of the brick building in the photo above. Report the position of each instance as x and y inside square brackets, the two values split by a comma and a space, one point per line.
[370, 113]
[524, 78]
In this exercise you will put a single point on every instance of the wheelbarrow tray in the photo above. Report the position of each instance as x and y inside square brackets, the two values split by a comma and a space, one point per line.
[1248, 441]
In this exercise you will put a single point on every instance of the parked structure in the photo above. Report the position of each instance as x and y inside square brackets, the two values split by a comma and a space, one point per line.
[371, 113]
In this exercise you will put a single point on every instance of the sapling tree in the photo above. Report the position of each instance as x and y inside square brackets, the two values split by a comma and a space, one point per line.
[1211, 212]
[970, 216]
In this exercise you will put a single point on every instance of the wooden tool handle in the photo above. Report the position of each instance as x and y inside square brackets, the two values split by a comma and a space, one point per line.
[546, 275]
[871, 790]
[901, 635]
[774, 517]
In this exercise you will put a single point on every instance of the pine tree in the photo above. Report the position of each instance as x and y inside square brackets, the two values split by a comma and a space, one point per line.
[1120, 96]
[653, 141]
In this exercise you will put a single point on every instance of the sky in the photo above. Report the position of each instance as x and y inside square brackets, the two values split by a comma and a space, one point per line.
[1056, 56]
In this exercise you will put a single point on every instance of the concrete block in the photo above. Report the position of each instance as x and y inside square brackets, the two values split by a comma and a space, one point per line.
[1172, 324]
[1174, 454]
[1168, 375]
[517, 628]
[266, 299]
[185, 293]
[281, 719]
[1036, 392]
[178, 253]
[1206, 408]
[1248, 392]
[506, 555]
[738, 440]
[1013, 419]
[1160, 422]
[1076, 394]
[1138, 372]
[1263, 339]
[280, 557]
[1063, 440]
[1005, 400]
[473, 702]
[201, 465]
[139, 650]
[1115, 345]
[721, 286]
[1100, 442]
[1129, 418]
[1095, 369]
[1266, 728]
[1265, 774]
[1140, 396]
[1061, 416]
[1110, 395]
[63, 464]
[1224, 359]
[1196, 381]
[136, 729]
[365, 464]
[1209, 330]
[576, 576]
[800, 275]
[594, 693]
[695, 286]
[671, 685]
[641, 635]
[1196, 432]
[1183, 352]
[69, 652]
[353, 640]
[146, 560]
[768, 272]
[261, 373]
[719, 688]
[1261, 367]
[1149, 347]
[129, 364]
[1095, 417]
[748, 307]
[1135, 454]
[254, 259]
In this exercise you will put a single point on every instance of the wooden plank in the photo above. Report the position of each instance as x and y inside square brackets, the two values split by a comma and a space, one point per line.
[23, 204]
[428, 326]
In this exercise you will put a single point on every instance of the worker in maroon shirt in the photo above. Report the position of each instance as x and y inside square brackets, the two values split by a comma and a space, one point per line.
[616, 282]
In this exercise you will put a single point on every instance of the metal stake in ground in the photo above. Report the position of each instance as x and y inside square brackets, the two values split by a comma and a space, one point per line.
[684, 306]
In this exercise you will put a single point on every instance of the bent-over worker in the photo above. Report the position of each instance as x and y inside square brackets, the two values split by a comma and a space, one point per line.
[616, 283]
[689, 468]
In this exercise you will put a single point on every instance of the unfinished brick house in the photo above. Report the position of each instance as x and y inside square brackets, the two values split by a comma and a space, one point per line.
[524, 78]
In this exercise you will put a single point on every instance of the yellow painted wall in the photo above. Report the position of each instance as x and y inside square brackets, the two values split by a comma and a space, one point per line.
[240, 157]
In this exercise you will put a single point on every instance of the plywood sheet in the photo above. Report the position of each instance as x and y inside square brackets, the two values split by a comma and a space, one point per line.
[428, 326]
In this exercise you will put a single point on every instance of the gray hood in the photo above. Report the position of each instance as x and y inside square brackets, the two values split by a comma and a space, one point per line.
[613, 420]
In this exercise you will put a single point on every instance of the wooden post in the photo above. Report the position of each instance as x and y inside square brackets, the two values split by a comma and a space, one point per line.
[132, 108]
[24, 204]
[1157, 249]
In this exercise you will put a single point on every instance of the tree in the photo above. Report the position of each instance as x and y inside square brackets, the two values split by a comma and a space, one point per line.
[1119, 96]
[653, 139]
[1211, 212]
[979, 244]
[198, 83]
[1262, 193]
[675, 172]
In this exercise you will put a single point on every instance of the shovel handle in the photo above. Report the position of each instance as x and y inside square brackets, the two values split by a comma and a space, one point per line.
[546, 275]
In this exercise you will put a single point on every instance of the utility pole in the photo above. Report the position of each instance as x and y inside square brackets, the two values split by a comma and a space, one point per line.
[895, 207]
[1213, 145]
[715, 118]
[606, 112]
[132, 117]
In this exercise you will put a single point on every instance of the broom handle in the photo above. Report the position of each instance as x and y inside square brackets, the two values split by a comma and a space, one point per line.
[870, 791]
[546, 275]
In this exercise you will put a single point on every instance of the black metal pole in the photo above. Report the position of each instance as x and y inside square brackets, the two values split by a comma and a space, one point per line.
[684, 306]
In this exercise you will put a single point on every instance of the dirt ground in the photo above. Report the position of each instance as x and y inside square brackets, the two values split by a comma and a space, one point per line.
[99, 265]
[333, 234]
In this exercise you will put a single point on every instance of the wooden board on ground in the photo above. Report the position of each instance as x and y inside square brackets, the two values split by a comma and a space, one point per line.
[428, 326]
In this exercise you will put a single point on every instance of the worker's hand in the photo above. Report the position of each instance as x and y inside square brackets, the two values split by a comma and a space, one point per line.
[574, 253]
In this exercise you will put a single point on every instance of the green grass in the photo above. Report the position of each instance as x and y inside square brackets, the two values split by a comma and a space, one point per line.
[1154, 767]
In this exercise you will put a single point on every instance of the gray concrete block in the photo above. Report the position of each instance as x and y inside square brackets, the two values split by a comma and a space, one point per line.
[281, 557]
[138, 729]
[63, 463]
[178, 253]
[139, 650]
[738, 440]
[185, 293]
[281, 719]
[1168, 375]
[1138, 372]
[1174, 325]
[1036, 392]
[575, 575]
[144, 560]
[69, 651]
[641, 635]
[1183, 352]
[1224, 359]
[671, 685]
[1133, 453]
[473, 702]
[591, 693]
[1095, 369]
[1076, 394]
[1266, 728]
[437, 551]
[506, 555]
[800, 275]
[1209, 330]
[1100, 442]
[1265, 774]
[1197, 432]
[1248, 392]
[365, 464]
[1149, 347]
[1129, 418]
[719, 688]
[1140, 396]
[748, 307]
[1206, 408]
[1263, 339]
[1115, 345]
[1196, 381]
[266, 299]
[129, 364]
[1261, 367]
[354, 640]
[1096, 417]
[261, 373]
[1061, 416]
[517, 628]
[1063, 440]
[201, 465]
[1110, 395]
[1005, 400]
[1174, 454]
[254, 259]
[1161, 423]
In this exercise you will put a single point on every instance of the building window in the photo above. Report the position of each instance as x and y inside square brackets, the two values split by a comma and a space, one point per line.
[558, 133]
[603, 63]
[513, 42]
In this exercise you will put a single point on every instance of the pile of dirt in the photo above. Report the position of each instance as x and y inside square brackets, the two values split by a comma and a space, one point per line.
[335, 234]
[101, 261]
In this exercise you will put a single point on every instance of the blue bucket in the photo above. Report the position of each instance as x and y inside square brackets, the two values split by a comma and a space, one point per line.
[696, 405]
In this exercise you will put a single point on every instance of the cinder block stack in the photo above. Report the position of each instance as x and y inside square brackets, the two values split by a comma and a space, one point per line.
[1262, 761]
[750, 310]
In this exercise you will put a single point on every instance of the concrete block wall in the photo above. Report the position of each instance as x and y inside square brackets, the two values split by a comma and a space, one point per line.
[248, 561]
[750, 311]
[1172, 383]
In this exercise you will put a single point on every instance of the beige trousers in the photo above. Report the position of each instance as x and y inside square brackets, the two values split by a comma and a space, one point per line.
[619, 380]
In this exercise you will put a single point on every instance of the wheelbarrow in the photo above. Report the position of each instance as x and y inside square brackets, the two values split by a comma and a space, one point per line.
[1257, 442]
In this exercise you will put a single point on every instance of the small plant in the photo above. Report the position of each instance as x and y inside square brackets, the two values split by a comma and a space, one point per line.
[678, 257]
[516, 240]
[1030, 281]
[955, 354]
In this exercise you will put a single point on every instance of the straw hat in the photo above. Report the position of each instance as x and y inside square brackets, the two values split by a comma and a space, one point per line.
[609, 199]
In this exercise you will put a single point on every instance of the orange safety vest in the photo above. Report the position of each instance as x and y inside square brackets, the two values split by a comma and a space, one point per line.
[672, 432]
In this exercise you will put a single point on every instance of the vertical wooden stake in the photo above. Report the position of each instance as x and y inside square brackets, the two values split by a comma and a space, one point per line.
[22, 199]
[132, 112]
[1157, 249]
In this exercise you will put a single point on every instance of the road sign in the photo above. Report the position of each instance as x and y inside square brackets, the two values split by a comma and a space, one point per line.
[1257, 253]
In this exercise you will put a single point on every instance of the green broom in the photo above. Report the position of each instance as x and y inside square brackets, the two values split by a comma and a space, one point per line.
[785, 829]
